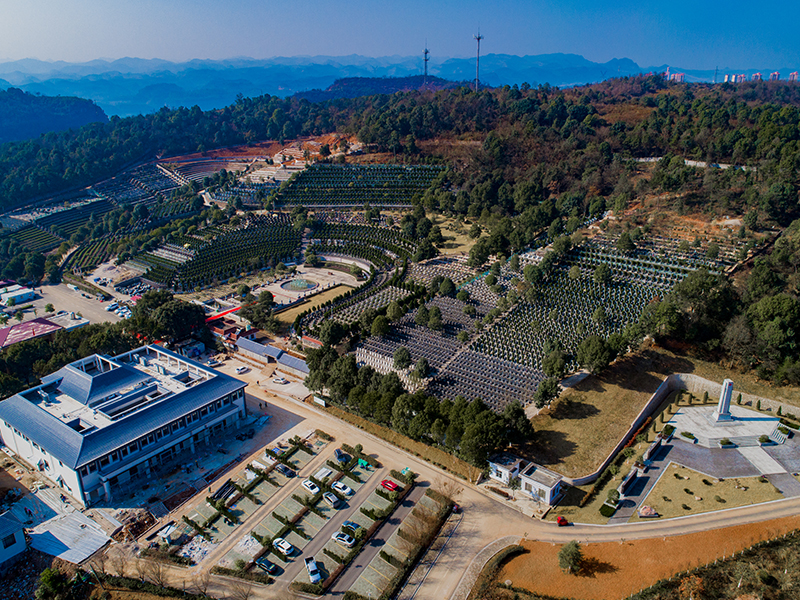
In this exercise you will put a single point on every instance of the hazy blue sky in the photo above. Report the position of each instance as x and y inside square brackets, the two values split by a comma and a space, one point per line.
[691, 34]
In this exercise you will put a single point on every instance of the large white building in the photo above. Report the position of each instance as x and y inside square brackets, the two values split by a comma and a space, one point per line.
[100, 423]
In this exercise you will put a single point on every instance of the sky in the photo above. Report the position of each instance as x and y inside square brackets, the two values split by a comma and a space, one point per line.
[690, 34]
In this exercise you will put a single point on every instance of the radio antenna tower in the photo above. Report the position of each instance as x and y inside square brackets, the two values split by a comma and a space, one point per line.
[425, 60]
[478, 39]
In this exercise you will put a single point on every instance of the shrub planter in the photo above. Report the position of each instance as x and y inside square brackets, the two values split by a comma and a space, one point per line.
[726, 443]
[689, 437]
[765, 440]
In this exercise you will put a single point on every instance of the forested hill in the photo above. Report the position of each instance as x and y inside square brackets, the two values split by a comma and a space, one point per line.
[353, 87]
[24, 116]
[536, 143]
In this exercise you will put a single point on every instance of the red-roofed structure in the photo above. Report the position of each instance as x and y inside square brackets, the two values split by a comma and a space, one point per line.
[29, 330]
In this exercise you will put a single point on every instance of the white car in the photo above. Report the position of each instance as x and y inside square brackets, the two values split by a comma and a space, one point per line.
[313, 570]
[280, 380]
[282, 546]
[311, 486]
[342, 488]
[344, 539]
[112, 306]
[240, 370]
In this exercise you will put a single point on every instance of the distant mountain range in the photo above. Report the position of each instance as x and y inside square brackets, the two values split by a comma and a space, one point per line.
[132, 85]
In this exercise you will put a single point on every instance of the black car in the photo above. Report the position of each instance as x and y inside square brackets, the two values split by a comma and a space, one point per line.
[266, 565]
[281, 468]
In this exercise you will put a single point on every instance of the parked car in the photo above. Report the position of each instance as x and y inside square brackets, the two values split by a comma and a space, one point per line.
[331, 500]
[265, 565]
[311, 486]
[280, 380]
[213, 362]
[313, 570]
[344, 539]
[240, 370]
[562, 522]
[351, 525]
[281, 468]
[342, 488]
[112, 306]
[341, 457]
[282, 546]
[390, 485]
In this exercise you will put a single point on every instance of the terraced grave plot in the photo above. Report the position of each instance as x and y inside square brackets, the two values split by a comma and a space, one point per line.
[452, 268]
[382, 299]
[331, 185]
[35, 239]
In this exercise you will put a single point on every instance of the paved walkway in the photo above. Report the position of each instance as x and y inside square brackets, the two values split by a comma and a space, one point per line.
[476, 566]
[786, 483]
[762, 461]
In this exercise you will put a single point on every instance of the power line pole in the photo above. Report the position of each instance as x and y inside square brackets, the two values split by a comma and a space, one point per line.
[425, 60]
[478, 39]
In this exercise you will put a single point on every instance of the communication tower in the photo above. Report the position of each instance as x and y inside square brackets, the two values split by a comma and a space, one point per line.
[478, 39]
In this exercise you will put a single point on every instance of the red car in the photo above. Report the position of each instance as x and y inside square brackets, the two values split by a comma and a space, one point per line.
[562, 522]
[390, 485]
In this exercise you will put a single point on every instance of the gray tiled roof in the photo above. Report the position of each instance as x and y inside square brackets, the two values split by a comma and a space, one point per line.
[75, 449]
[260, 349]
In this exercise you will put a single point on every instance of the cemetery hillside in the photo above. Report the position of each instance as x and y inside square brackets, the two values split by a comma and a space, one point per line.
[553, 306]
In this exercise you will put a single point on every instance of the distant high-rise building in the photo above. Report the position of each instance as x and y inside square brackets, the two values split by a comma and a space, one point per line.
[756, 77]
[793, 76]
[678, 77]
[774, 76]
[726, 79]
[741, 78]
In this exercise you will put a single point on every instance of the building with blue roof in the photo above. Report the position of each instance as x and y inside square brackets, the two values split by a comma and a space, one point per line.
[266, 353]
[101, 423]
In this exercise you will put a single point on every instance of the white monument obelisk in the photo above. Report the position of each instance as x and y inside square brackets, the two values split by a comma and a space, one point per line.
[723, 412]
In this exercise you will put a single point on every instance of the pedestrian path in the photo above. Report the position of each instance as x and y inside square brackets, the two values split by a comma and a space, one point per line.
[762, 461]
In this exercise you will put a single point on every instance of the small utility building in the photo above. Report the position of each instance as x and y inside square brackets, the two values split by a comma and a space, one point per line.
[100, 424]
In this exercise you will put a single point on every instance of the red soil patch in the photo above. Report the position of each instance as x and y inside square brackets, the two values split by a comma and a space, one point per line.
[617, 569]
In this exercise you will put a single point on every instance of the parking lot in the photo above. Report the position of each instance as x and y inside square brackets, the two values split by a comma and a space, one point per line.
[63, 298]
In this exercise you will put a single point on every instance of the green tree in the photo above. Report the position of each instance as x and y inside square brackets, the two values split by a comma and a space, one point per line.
[475, 231]
[602, 274]
[554, 364]
[380, 326]
[402, 358]
[570, 557]
[599, 315]
[331, 332]
[517, 424]
[625, 243]
[421, 318]
[49, 308]
[435, 322]
[422, 368]
[594, 354]
[546, 392]
[447, 287]
[394, 311]
[574, 272]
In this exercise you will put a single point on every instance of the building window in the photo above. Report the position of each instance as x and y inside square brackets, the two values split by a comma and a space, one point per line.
[92, 467]
[9, 541]
[104, 461]
[84, 472]
[204, 411]
[123, 452]
[133, 447]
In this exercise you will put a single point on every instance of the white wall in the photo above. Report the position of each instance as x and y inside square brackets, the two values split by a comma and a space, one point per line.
[32, 455]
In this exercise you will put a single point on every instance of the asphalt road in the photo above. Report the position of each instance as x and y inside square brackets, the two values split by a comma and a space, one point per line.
[375, 544]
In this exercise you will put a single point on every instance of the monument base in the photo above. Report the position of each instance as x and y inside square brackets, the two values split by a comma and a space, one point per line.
[718, 419]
